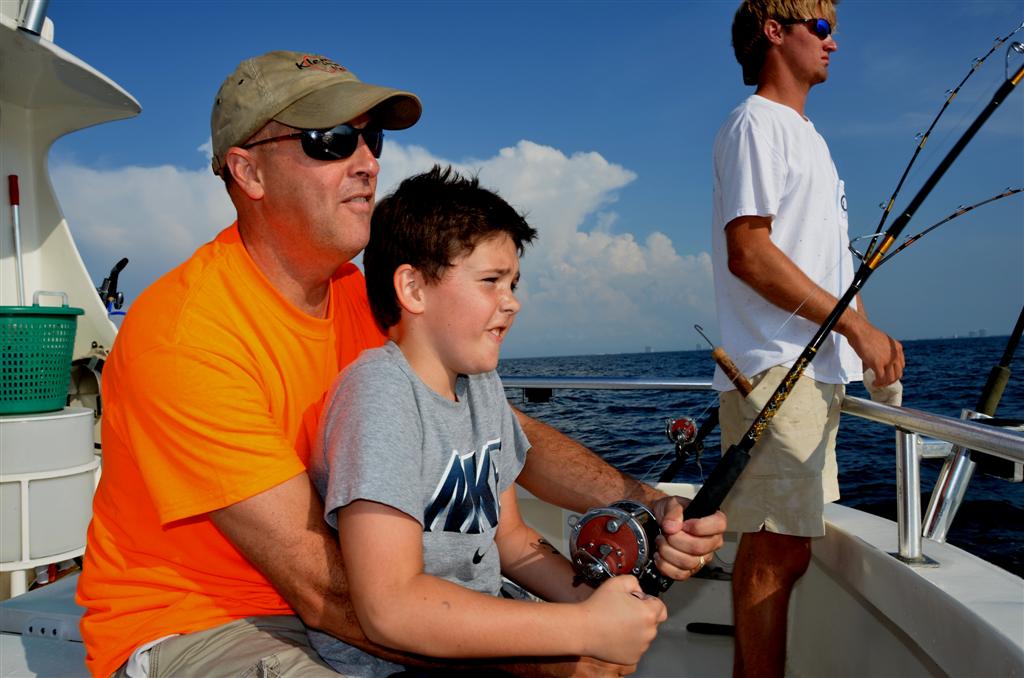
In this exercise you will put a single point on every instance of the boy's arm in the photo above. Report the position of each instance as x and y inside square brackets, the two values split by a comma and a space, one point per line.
[399, 606]
[562, 472]
[530, 560]
[312, 578]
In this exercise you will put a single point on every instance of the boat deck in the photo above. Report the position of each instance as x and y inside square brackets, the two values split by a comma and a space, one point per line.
[40, 634]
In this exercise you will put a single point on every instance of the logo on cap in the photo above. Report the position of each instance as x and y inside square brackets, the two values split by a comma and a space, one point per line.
[320, 63]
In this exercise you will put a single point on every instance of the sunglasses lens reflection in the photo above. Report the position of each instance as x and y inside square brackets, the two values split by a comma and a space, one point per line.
[341, 142]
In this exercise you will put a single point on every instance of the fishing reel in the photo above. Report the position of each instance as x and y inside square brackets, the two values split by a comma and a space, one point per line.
[682, 432]
[617, 539]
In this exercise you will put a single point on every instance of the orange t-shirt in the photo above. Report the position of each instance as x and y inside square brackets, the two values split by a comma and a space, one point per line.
[211, 394]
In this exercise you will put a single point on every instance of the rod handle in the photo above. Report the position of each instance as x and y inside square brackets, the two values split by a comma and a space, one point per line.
[731, 371]
[718, 484]
[12, 188]
[993, 391]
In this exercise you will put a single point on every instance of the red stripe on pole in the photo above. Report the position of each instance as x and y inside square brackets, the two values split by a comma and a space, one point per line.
[12, 188]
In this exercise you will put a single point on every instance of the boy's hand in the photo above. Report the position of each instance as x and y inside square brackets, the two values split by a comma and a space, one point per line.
[685, 546]
[621, 621]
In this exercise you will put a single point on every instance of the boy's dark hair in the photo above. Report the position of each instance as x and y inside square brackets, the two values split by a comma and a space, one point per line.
[429, 221]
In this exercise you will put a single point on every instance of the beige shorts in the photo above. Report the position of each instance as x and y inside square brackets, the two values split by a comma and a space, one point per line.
[792, 471]
[272, 646]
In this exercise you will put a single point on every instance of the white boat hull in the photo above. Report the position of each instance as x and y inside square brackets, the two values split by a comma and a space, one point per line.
[859, 611]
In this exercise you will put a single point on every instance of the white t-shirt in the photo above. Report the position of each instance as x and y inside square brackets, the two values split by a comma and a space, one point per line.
[769, 161]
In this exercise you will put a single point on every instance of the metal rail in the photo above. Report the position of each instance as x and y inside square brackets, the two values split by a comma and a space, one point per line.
[909, 424]
[608, 383]
[999, 442]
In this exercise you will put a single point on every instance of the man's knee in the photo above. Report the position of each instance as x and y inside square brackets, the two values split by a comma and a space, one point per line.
[780, 558]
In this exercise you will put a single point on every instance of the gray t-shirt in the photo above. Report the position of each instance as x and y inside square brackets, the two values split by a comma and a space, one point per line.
[387, 437]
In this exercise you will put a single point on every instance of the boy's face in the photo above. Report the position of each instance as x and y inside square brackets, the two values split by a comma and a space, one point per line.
[470, 310]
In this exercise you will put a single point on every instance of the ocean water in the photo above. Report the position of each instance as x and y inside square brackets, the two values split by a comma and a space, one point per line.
[942, 376]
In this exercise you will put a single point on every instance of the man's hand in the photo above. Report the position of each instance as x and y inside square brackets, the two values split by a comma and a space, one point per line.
[683, 543]
[757, 261]
[878, 351]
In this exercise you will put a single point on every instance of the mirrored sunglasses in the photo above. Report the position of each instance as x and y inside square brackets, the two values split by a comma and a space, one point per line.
[820, 27]
[337, 143]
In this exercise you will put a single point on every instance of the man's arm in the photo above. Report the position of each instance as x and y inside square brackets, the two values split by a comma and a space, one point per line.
[757, 261]
[282, 532]
[562, 472]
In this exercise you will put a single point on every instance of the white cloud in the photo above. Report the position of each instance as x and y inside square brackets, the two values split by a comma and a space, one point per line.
[589, 285]
[155, 216]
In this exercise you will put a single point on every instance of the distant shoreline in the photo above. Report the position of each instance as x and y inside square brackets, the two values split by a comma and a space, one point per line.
[708, 350]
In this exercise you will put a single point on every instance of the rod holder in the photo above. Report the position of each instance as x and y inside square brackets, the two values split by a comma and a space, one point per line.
[34, 16]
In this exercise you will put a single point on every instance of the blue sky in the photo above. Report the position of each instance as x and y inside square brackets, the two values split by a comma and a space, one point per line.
[596, 119]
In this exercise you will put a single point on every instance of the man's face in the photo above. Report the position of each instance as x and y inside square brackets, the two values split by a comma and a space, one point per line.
[806, 54]
[320, 209]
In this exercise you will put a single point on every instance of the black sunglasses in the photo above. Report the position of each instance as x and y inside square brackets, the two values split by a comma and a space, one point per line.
[337, 143]
[820, 27]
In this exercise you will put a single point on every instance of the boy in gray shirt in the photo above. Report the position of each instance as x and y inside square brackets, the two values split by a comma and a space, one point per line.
[418, 452]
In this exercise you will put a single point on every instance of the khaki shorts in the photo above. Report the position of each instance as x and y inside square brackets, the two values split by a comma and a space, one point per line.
[792, 471]
[254, 647]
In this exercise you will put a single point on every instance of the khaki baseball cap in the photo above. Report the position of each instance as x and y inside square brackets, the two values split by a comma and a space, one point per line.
[299, 90]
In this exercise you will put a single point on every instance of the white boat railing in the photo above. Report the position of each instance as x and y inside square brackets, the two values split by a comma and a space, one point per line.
[910, 426]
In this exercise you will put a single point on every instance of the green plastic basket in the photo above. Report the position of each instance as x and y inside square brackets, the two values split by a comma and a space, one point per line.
[37, 344]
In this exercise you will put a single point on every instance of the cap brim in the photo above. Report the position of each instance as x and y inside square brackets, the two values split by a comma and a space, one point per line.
[345, 101]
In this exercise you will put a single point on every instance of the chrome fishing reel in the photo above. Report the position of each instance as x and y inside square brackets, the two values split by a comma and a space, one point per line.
[617, 539]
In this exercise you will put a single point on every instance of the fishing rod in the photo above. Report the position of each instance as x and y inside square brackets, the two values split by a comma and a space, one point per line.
[960, 211]
[1000, 374]
[732, 373]
[728, 470]
[684, 432]
[688, 437]
[923, 138]
[960, 464]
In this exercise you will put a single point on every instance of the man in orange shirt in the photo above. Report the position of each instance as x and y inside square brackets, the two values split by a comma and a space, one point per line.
[207, 550]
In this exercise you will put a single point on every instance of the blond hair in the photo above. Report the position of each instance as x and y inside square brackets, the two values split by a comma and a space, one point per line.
[748, 40]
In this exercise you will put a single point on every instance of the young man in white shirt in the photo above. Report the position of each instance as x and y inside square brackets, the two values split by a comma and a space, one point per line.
[779, 247]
